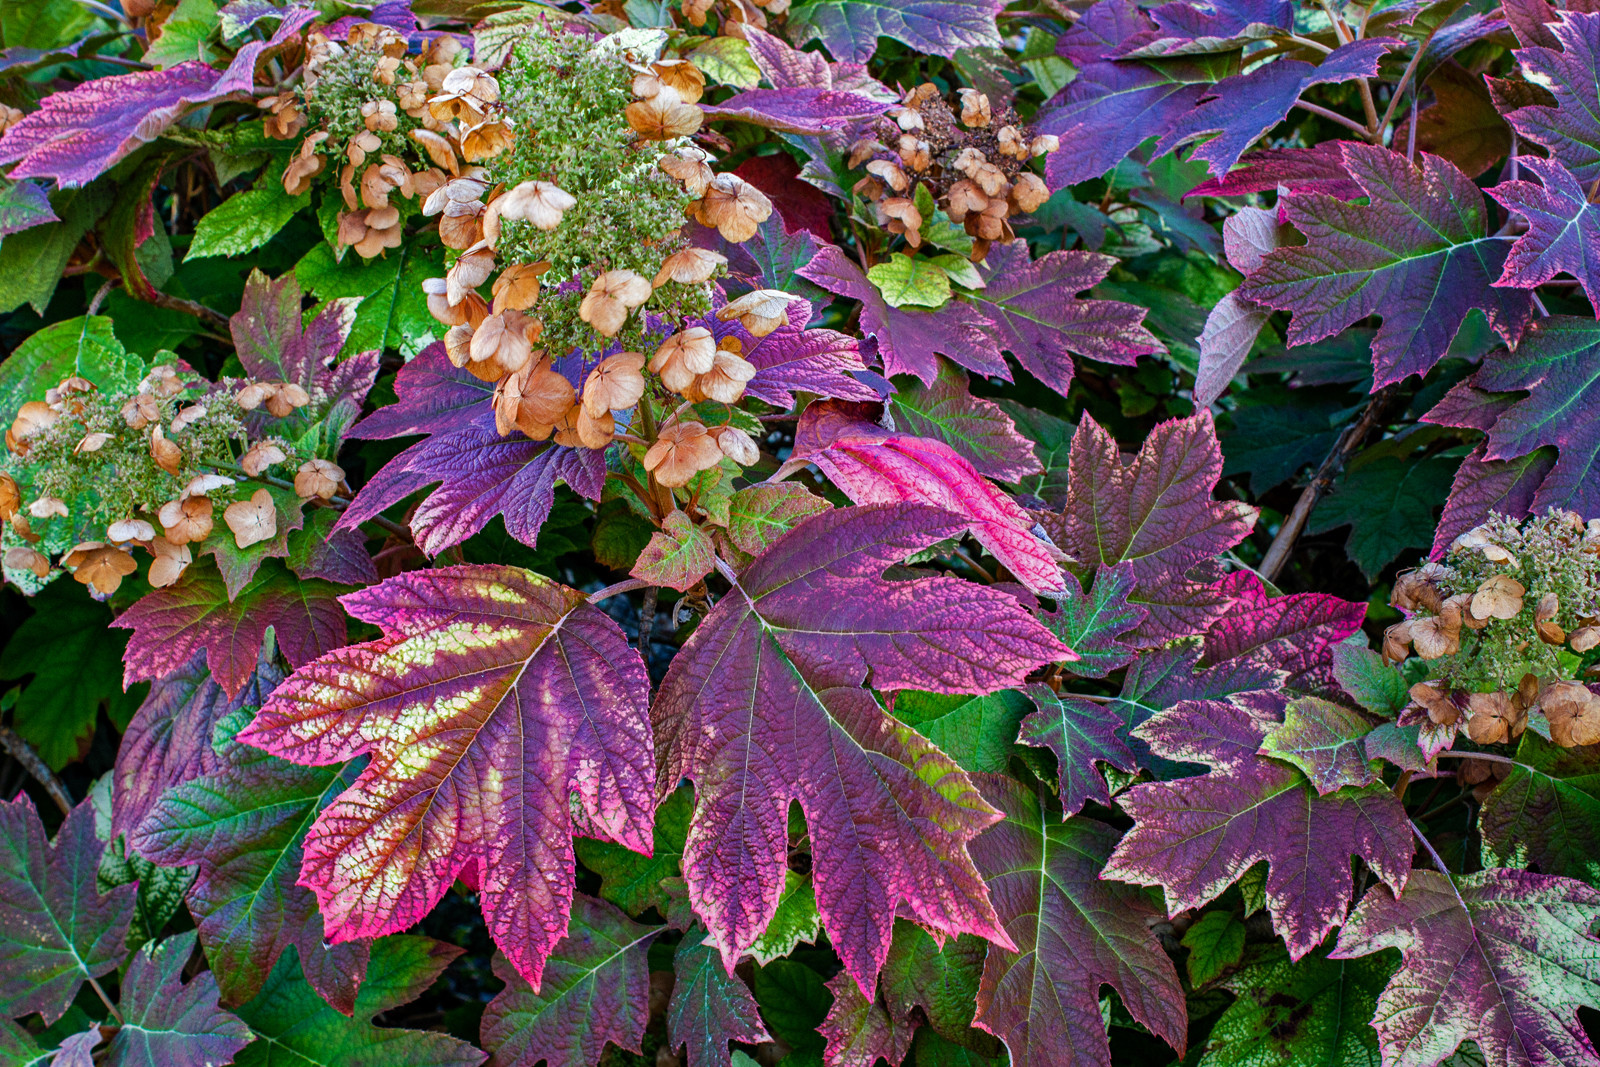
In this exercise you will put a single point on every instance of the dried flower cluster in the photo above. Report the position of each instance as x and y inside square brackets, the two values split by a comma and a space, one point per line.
[1505, 623]
[396, 127]
[89, 476]
[974, 162]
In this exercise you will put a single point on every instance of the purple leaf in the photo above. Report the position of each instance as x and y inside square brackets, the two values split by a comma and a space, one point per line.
[1103, 30]
[1558, 362]
[1196, 836]
[794, 358]
[807, 111]
[1154, 511]
[1563, 234]
[168, 742]
[1110, 108]
[1324, 740]
[772, 258]
[1082, 734]
[244, 825]
[1093, 624]
[1503, 958]
[1294, 633]
[1035, 313]
[1481, 486]
[1184, 27]
[479, 474]
[1073, 932]
[977, 429]
[24, 205]
[792, 644]
[596, 990]
[1419, 255]
[502, 713]
[1570, 129]
[860, 1031]
[171, 625]
[1230, 333]
[1311, 170]
[709, 1006]
[789, 68]
[56, 929]
[169, 1021]
[850, 28]
[1241, 109]
[875, 466]
[322, 551]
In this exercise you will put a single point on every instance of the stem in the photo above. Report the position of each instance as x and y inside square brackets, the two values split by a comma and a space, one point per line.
[647, 622]
[1307, 43]
[100, 297]
[338, 503]
[1400, 86]
[975, 565]
[104, 11]
[1490, 757]
[1400, 785]
[627, 585]
[112, 1008]
[1411, 130]
[1340, 29]
[1353, 437]
[24, 754]
[189, 307]
[1332, 116]
[1438, 862]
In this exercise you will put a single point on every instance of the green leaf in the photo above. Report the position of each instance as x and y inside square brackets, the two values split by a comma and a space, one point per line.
[760, 514]
[1390, 505]
[84, 346]
[959, 269]
[794, 1000]
[1372, 683]
[1324, 740]
[796, 920]
[245, 221]
[394, 310]
[620, 534]
[905, 281]
[975, 731]
[31, 262]
[185, 35]
[161, 889]
[42, 24]
[942, 980]
[1546, 813]
[1052, 443]
[631, 881]
[76, 665]
[727, 60]
[1215, 943]
[678, 555]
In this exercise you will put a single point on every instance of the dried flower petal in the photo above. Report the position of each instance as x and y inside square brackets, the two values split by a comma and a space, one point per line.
[99, 566]
[611, 297]
[186, 520]
[682, 450]
[169, 563]
[1498, 597]
[124, 530]
[689, 266]
[23, 558]
[663, 116]
[252, 521]
[759, 312]
[725, 380]
[615, 385]
[317, 478]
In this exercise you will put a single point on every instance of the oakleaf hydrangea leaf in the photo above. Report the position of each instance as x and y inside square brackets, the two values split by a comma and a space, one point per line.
[760, 514]
[678, 555]
[596, 989]
[1570, 129]
[978, 429]
[1546, 813]
[976, 731]
[1093, 624]
[1419, 255]
[56, 929]
[1073, 932]
[942, 980]
[1315, 1009]
[1195, 836]
[1318, 169]
[1082, 733]
[859, 1030]
[170, 625]
[1215, 942]
[1559, 364]
[1294, 633]
[1035, 312]
[1503, 958]
[793, 357]
[1372, 683]
[1111, 107]
[1563, 234]
[24, 205]
[168, 1021]
[807, 111]
[633, 882]
[493, 696]
[709, 1006]
[478, 473]
[1155, 512]
[244, 824]
[293, 1025]
[850, 28]
[1324, 740]
[888, 814]
[875, 466]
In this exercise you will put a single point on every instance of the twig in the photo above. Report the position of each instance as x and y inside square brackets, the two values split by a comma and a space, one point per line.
[975, 565]
[1331, 116]
[112, 1008]
[1399, 88]
[1490, 757]
[1411, 130]
[104, 11]
[24, 754]
[189, 307]
[647, 622]
[100, 297]
[1438, 862]
[627, 585]
[1371, 418]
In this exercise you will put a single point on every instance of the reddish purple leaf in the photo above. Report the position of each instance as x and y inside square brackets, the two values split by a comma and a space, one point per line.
[1571, 129]
[596, 990]
[1216, 24]
[789, 68]
[56, 929]
[860, 1031]
[1558, 362]
[1310, 170]
[1194, 837]
[875, 466]
[168, 1021]
[320, 550]
[1073, 933]
[244, 825]
[1103, 30]
[1110, 108]
[802, 208]
[1290, 633]
[170, 625]
[492, 698]
[850, 28]
[1082, 734]
[1035, 313]
[1503, 958]
[168, 742]
[1507, 486]
[1419, 255]
[1154, 511]
[764, 705]
[709, 1006]
[1243, 108]
[807, 111]
[978, 429]
[794, 358]
[1563, 235]
[478, 473]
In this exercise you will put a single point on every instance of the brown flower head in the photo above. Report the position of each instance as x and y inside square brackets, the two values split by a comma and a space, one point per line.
[167, 456]
[10, 496]
[679, 75]
[1498, 597]
[684, 356]
[725, 380]
[1574, 713]
[736, 444]
[965, 199]
[1044, 144]
[900, 216]
[465, 95]
[566, 428]
[975, 111]
[469, 271]
[260, 456]
[663, 116]
[759, 312]
[124, 531]
[186, 519]
[517, 286]
[1584, 638]
[187, 417]
[611, 297]
[540, 203]
[140, 410]
[169, 563]
[33, 418]
[286, 400]
[1494, 718]
[99, 566]
[615, 385]
[91, 442]
[502, 341]
[386, 176]
[595, 431]
[1437, 635]
[543, 396]
[471, 311]
[304, 166]
[1544, 620]
[23, 558]
[487, 140]
[1440, 704]
[380, 116]
[48, 507]
[318, 478]
[439, 149]
[252, 521]
[284, 119]
[689, 266]
[733, 206]
[1030, 193]
[688, 165]
[682, 450]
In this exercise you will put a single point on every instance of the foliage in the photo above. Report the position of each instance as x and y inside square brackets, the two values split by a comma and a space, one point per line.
[800, 532]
